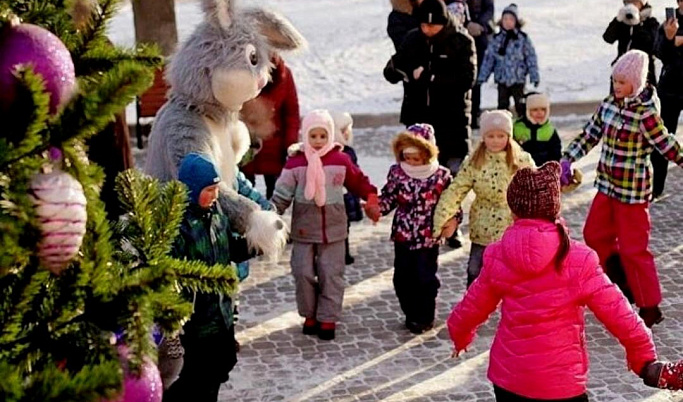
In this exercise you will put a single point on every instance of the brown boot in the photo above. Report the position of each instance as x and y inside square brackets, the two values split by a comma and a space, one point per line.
[651, 315]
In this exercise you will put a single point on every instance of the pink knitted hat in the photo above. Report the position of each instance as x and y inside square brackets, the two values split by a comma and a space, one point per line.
[317, 118]
[632, 67]
[315, 172]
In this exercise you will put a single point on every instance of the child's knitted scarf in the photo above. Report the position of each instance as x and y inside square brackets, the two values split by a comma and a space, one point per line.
[315, 174]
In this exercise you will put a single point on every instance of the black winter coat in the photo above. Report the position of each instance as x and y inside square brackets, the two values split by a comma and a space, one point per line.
[441, 96]
[481, 12]
[399, 25]
[671, 79]
[640, 37]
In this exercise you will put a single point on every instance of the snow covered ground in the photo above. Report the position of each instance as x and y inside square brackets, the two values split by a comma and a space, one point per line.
[348, 48]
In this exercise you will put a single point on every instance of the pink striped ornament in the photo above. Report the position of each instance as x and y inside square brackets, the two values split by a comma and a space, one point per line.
[60, 207]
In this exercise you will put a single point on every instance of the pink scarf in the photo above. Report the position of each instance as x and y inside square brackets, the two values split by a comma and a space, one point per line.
[315, 173]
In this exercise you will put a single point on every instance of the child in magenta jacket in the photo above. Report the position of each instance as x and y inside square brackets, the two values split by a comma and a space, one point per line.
[544, 281]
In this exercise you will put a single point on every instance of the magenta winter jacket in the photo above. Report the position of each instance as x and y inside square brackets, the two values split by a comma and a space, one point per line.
[539, 350]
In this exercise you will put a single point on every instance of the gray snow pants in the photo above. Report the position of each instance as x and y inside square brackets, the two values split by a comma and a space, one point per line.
[318, 271]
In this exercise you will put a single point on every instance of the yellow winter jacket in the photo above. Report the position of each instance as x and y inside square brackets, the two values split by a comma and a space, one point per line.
[489, 214]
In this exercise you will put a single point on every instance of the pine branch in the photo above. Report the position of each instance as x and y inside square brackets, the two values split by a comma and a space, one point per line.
[10, 382]
[105, 57]
[169, 214]
[94, 107]
[96, 29]
[88, 384]
[24, 129]
[171, 310]
[13, 327]
[199, 277]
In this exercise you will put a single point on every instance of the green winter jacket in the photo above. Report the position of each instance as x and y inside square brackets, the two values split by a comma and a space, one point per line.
[541, 141]
[204, 236]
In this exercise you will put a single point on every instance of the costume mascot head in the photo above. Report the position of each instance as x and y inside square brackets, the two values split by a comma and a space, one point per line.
[224, 63]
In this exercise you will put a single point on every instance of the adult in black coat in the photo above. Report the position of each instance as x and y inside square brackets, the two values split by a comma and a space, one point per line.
[634, 27]
[401, 20]
[669, 49]
[480, 25]
[438, 64]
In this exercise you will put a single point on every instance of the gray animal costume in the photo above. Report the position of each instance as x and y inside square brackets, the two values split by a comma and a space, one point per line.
[224, 63]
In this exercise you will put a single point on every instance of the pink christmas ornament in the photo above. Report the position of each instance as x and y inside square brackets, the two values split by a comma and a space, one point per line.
[60, 208]
[23, 44]
[145, 388]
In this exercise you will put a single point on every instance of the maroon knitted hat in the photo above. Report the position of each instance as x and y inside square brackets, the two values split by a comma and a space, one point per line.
[535, 193]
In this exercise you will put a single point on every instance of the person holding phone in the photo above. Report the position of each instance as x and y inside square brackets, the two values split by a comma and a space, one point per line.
[634, 27]
[669, 49]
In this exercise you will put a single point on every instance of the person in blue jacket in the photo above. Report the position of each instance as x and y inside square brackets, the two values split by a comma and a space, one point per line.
[510, 57]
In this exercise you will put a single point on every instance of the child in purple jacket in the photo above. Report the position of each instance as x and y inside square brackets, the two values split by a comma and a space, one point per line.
[413, 187]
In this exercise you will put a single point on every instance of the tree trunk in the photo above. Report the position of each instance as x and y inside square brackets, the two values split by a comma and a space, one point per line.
[155, 23]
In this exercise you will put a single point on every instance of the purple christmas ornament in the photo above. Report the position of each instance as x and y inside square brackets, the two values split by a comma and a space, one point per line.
[26, 44]
[145, 388]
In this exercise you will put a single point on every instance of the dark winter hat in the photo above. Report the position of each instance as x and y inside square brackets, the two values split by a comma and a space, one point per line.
[432, 12]
[535, 193]
[512, 9]
[197, 172]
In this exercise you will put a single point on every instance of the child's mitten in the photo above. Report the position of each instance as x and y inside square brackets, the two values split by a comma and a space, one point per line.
[664, 375]
[576, 180]
[372, 209]
[566, 177]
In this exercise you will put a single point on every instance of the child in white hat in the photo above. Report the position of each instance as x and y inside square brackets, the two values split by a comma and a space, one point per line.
[535, 133]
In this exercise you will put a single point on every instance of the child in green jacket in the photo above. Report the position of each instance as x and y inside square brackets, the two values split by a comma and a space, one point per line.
[209, 336]
[535, 133]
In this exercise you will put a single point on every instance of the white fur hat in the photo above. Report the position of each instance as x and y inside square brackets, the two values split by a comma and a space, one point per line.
[537, 101]
[343, 127]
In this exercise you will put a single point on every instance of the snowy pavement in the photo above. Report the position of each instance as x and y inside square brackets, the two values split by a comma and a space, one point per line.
[348, 48]
[374, 358]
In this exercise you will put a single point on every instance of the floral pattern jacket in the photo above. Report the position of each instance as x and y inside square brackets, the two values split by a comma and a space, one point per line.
[415, 201]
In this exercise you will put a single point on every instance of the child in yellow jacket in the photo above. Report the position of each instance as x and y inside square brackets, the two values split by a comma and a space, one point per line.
[488, 172]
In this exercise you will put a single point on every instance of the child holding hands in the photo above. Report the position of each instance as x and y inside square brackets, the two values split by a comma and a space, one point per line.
[488, 173]
[314, 178]
[544, 281]
[414, 185]
[618, 223]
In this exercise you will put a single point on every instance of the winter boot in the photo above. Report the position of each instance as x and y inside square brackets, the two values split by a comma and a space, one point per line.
[310, 326]
[326, 331]
[348, 258]
[664, 375]
[419, 328]
[455, 241]
[651, 315]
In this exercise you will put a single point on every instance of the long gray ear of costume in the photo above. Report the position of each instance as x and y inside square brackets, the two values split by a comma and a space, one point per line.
[279, 32]
[219, 13]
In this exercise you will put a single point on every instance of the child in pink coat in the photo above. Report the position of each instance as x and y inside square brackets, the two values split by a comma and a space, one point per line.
[544, 280]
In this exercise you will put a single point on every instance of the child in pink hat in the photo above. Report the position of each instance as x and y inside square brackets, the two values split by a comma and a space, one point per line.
[618, 224]
[314, 178]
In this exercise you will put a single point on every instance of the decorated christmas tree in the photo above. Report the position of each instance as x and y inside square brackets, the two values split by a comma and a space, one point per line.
[82, 299]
